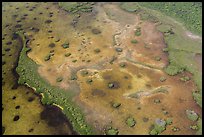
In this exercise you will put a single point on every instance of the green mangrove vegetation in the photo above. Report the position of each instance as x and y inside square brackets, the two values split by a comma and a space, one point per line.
[76, 7]
[28, 75]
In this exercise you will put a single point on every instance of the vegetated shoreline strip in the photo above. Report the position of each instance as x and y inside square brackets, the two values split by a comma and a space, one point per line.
[27, 70]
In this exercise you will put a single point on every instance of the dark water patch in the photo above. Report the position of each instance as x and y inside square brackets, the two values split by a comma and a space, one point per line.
[107, 77]
[95, 31]
[30, 130]
[3, 130]
[51, 45]
[14, 16]
[15, 86]
[18, 26]
[18, 21]
[23, 18]
[49, 31]
[35, 29]
[48, 21]
[14, 36]
[16, 118]
[17, 107]
[98, 92]
[7, 49]
[3, 63]
[30, 99]
[55, 118]
[9, 43]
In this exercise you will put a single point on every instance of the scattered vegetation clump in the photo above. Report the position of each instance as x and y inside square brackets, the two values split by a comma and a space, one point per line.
[175, 129]
[156, 101]
[185, 78]
[157, 58]
[138, 31]
[162, 79]
[74, 60]
[134, 41]
[73, 77]
[130, 122]
[97, 50]
[47, 57]
[110, 85]
[198, 98]
[194, 127]
[67, 54]
[165, 49]
[169, 121]
[119, 49]
[84, 73]
[77, 7]
[158, 127]
[111, 131]
[122, 65]
[59, 79]
[116, 105]
[89, 81]
[65, 45]
[191, 115]
[113, 59]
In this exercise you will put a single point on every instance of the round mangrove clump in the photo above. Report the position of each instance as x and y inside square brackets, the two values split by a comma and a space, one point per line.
[116, 105]
[122, 65]
[175, 129]
[130, 122]
[65, 45]
[59, 79]
[169, 121]
[89, 81]
[194, 127]
[157, 101]
[185, 78]
[134, 41]
[191, 115]
[97, 50]
[83, 73]
[111, 131]
[73, 77]
[110, 85]
[162, 79]
[74, 61]
[67, 54]
[157, 58]
[165, 49]
[47, 57]
[119, 49]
